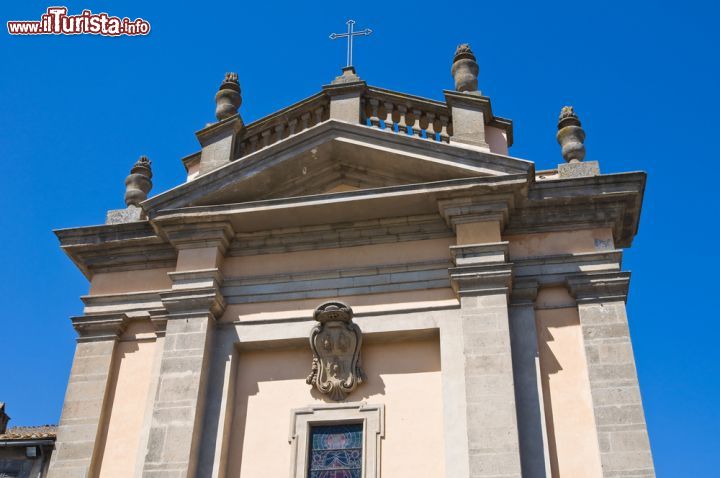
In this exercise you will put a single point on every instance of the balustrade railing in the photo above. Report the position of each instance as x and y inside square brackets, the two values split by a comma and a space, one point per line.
[406, 114]
[284, 123]
[383, 109]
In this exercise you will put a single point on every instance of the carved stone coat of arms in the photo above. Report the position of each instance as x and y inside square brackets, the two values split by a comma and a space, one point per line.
[335, 342]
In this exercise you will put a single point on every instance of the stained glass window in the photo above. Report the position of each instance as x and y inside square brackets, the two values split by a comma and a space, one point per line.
[336, 451]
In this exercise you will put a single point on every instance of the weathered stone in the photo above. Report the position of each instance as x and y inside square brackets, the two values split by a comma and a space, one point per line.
[228, 98]
[465, 69]
[578, 170]
[120, 216]
[335, 342]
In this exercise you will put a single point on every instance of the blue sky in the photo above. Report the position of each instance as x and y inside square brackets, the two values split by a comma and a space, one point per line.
[76, 112]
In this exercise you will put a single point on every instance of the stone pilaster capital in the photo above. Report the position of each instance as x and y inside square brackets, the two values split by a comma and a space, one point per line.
[198, 235]
[480, 269]
[592, 287]
[481, 279]
[194, 293]
[524, 292]
[99, 327]
[469, 209]
[190, 302]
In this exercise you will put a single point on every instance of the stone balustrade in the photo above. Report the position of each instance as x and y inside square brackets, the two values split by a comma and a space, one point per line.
[406, 114]
[284, 123]
[383, 109]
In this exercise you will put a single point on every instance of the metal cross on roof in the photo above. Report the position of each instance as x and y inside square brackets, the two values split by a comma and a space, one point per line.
[349, 35]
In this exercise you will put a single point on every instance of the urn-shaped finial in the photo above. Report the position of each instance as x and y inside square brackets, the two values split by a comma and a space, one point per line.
[465, 69]
[228, 98]
[139, 182]
[570, 135]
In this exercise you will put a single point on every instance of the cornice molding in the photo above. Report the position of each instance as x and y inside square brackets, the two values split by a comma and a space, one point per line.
[490, 253]
[596, 287]
[201, 301]
[100, 327]
[486, 279]
[216, 233]
[345, 88]
[128, 302]
[608, 200]
[194, 293]
[196, 278]
[555, 269]
[524, 292]
[210, 133]
[330, 131]
[477, 208]
[116, 247]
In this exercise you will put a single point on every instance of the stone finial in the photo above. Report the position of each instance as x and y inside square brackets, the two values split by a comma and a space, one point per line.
[138, 183]
[465, 69]
[228, 98]
[570, 135]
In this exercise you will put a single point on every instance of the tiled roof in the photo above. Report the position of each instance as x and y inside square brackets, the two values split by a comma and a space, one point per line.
[30, 433]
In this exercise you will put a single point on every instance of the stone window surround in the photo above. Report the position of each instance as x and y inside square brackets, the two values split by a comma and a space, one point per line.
[371, 416]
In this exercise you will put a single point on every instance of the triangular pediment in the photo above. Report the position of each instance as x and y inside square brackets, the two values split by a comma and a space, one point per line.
[334, 156]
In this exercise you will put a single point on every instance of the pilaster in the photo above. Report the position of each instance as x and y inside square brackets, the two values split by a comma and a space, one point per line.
[526, 373]
[83, 410]
[619, 417]
[481, 278]
[193, 305]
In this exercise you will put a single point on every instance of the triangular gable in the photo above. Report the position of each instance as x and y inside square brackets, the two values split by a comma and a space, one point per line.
[333, 153]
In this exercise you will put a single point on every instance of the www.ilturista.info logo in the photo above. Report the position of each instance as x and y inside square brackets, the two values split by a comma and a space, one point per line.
[57, 22]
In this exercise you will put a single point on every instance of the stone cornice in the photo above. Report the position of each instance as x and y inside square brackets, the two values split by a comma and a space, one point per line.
[481, 279]
[236, 172]
[480, 269]
[99, 327]
[609, 200]
[194, 293]
[592, 287]
[111, 325]
[480, 208]
[183, 303]
[555, 269]
[123, 303]
[344, 88]
[524, 292]
[196, 278]
[116, 247]
[412, 199]
[489, 253]
[231, 125]
[212, 233]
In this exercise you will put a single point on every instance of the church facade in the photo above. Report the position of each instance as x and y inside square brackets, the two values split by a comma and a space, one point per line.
[362, 284]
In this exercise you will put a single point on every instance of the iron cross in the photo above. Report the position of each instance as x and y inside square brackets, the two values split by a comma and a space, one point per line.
[349, 35]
